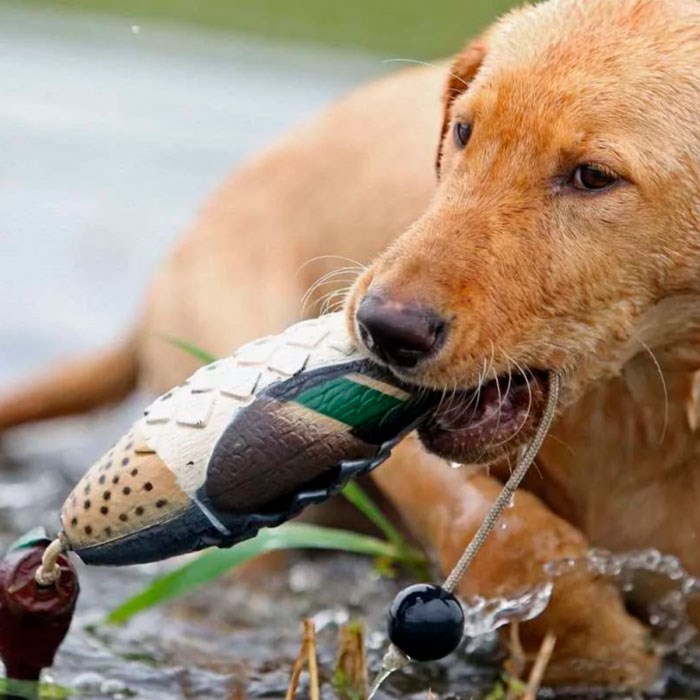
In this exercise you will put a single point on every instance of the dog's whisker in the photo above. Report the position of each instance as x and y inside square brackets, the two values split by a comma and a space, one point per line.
[477, 393]
[664, 386]
[355, 263]
[313, 288]
[333, 300]
[343, 274]
[501, 398]
[331, 276]
[493, 357]
[524, 373]
[563, 443]
[480, 383]
[523, 423]
[450, 398]
[430, 65]
[333, 306]
[499, 407]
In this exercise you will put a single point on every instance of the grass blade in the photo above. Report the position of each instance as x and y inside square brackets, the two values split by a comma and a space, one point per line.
[205, 357]
[371, 511]
[215, 562]
[28, 690]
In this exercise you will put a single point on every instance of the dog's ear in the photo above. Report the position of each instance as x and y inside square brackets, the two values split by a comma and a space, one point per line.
[461, 73]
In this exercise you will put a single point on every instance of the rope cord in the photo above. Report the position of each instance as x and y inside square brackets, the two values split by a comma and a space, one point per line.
[508, 491]
[395, 659]
[49, 572]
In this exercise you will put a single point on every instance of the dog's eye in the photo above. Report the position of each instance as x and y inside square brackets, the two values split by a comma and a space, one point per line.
[592, 178]
[462, 132]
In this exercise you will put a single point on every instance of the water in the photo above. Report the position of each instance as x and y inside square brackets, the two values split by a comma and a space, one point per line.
[656, 582]
[484, 615]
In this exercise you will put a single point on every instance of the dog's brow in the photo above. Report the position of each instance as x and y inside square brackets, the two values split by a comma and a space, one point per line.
[594, 150]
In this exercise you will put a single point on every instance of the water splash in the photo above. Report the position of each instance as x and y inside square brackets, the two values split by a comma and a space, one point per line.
[657, 584]
[621, 567]
[484, 615]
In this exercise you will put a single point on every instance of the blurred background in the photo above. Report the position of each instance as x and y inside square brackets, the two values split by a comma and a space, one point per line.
[118, 117]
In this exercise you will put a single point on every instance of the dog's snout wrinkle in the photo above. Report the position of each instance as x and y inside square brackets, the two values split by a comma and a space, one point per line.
[399, 333]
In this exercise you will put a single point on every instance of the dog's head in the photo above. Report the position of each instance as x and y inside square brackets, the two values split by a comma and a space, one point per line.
[564, 233]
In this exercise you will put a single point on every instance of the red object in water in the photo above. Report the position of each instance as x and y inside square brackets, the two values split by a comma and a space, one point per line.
[34, 619]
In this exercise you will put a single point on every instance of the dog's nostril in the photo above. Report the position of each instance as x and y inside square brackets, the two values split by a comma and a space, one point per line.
[401, 334]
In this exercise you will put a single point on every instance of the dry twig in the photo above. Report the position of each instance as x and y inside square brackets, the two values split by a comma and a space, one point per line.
[515, 665]
[537, 673]
[350, 678]
[307, 657]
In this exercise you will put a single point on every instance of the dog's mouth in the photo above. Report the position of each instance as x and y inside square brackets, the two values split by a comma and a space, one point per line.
[481, 424]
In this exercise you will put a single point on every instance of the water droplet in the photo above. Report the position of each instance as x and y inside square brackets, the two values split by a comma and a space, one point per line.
[304, 577]
[394, 660]
[112, 687]
[135, 29]
[88, 681]
[375, 640]
[334, 617]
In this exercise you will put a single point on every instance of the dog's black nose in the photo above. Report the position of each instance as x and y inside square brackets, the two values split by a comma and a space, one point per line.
[399, 333]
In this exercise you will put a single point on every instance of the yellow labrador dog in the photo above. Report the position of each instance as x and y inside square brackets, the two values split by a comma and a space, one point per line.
[562, 233]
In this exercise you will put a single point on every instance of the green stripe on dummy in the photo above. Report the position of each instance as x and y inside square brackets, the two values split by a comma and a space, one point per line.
[30, 539]
[348, 402]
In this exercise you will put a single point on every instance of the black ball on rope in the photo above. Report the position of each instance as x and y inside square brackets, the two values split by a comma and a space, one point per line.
[426, 622]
